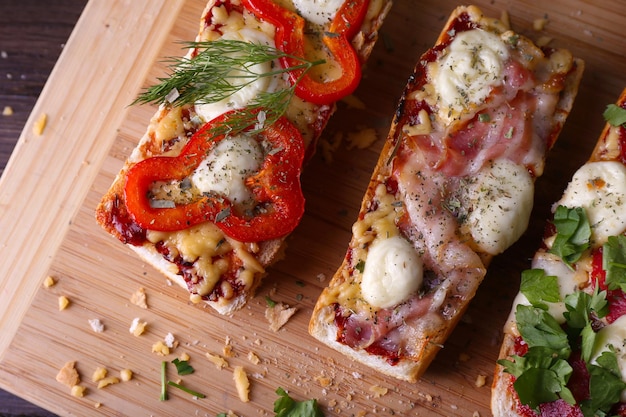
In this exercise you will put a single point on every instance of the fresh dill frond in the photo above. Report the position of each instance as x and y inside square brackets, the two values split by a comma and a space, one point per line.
[219, 69]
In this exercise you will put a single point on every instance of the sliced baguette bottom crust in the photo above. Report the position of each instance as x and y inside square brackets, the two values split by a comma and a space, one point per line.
[503, 398]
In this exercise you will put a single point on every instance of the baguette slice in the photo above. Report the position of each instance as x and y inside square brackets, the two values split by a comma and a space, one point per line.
[213, 267]
[453, 187]
[599, 188]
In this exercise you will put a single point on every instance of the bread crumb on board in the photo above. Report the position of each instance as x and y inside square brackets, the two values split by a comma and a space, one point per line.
[40, 124]
[63, 302]
[242, 383]
[100, 373]
[137, 327]
[480, 381]
[378, 391]
[218, 361]
[49, 282]
[68, 375]
[278, 315]
[7, 111]
[78, 391]
[96, 325]
[139, 298]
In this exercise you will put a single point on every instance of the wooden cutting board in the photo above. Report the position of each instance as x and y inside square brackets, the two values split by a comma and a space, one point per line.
[53, 182]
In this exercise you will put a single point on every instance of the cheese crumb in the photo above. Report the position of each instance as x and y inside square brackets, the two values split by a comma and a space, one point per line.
[184, 357]
[378, 391]
[323, 380]
[7, 111]
[279, 315]
[78, 391]
[96, 325]
[98, 374]
[242, 383]
[108, 381]
[480, 381]
[170, 341]
[40, 124]
[252, 357]
[160, 348]
[137, 327]
[49, 282]
[540, 23]
[63, 302]
[218, 361]
[126, 375]
[139, 299]
[68, 375]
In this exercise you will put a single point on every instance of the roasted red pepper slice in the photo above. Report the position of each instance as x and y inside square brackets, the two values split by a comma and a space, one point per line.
[289, 38]
[276, 187]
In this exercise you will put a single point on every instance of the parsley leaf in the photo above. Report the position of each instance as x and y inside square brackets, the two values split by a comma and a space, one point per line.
[573, 233]
[539, 287]
[580, 308]
[615, 115]
[183, 367]
[605, 385]
[539, 328]
[614, 262]
[285, 406]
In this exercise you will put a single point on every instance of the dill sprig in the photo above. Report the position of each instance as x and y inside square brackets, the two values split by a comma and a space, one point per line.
[218, 70]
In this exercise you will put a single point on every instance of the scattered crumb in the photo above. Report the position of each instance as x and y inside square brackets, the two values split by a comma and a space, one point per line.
[464, 357]
[137, 327]
[475, 414]
[97, 405]
[126, 375]
[217, 360]
[4, 54]
[49, 282]
[184, 357]
[227, 350]
[139, 299]
[321, 277]
[40, 124]
[480, 381]
[7, 111]
[99, 373]
[160, 348]
[170, 341]
[362, 139]
[242, 383]
[68, 375]
[252, 357]
[279, 315]
[378, 391]
[63, 302]
[96, 325]
[108, 381]
[323, 380]
[540, 23]
[78, 391]
[354, 102]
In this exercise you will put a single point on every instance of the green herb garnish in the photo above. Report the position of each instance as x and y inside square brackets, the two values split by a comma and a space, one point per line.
[187, 390]
[615, 115]
[539, 288]
[285, 406]
[183, 367]
[163, 396]
[614, 262]
[573, 233]
[270, 303]
[220, 69]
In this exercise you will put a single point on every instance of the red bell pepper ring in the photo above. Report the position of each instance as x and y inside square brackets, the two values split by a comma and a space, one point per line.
[289, 38]
[276, 187]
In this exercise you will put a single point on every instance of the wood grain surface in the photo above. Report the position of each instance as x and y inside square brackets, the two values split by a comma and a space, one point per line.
[52, 183]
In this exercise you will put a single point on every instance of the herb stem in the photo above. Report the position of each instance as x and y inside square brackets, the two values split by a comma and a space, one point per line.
[163, 383]
[187, 390]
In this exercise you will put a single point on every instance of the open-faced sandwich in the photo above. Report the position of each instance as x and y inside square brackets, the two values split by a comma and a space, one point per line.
[564, 347]
[453, 186]
[212, 189]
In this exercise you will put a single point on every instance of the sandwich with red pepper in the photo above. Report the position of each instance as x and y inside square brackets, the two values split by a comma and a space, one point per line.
[452, 188]
[564, 347]
[212, 189]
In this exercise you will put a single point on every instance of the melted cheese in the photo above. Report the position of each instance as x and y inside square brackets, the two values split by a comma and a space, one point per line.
[501, 198]
[250, 88]
[319, 12]
[613, 335]
[225, 169]
[600, 188]
[464, 76]
[393, 272]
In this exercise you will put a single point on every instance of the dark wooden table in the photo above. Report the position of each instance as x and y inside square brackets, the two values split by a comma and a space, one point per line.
[32, 35]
